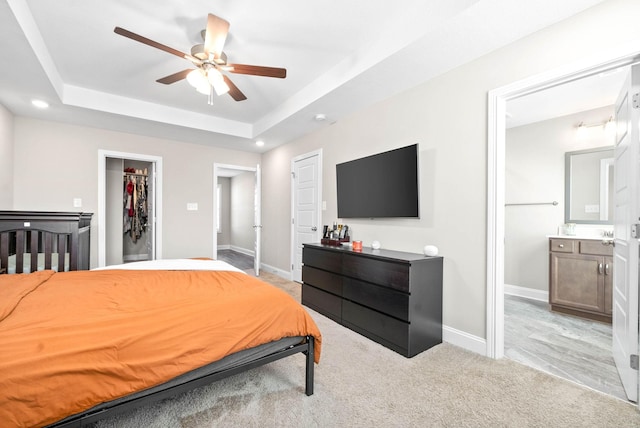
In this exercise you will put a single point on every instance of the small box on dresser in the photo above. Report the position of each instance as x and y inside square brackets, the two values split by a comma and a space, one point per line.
[391, 297]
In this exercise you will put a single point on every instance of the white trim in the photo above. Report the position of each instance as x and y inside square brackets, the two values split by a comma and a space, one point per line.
[157, 203]
[216, 168]
[464, 340]
[274, 270]
[241, 250]
[605, 177]
[616, 56]
[135, 257]
[293, 199]
[224, 247]
[527, 293]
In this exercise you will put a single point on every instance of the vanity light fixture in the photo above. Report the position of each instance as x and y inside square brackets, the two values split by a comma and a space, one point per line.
[609, 126]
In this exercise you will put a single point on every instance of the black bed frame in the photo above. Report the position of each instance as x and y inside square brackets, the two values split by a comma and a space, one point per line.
[90, 417]
[32, 232]
[40, 232]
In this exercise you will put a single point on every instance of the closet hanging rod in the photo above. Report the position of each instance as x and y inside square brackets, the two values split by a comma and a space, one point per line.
[135, 173]
[533, 203]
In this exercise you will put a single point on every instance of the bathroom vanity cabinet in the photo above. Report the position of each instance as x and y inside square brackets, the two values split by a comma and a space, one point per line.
[581, 277]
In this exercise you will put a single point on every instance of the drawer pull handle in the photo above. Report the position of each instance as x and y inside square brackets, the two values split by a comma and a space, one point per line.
[600, 268]
[561, 245]
[609, 242]
[607, 269]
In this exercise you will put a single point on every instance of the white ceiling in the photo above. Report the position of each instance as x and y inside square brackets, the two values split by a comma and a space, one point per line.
[340, 56]
[581, 95]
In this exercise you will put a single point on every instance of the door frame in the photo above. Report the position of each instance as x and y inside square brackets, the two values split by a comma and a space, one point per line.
[298, 158]
[102, 194]
[257, 200]
[496, 139]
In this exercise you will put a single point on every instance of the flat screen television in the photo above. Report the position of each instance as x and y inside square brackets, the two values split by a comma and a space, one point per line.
[384, 185]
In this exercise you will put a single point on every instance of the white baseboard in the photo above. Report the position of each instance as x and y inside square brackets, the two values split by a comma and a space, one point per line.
[527, 293]
[242, 250]
[135, 257]
[274, 270]
[464, 340]
[224, 247]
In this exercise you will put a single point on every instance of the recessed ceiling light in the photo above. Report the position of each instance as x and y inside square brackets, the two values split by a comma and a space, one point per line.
[259, 143]
[40, 103]
[320, 117]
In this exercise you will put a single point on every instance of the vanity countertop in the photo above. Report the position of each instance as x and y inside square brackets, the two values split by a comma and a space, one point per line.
[582, 237]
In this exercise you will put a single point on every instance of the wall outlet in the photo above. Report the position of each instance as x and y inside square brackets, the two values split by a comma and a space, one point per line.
[77, 203]
[192, 206]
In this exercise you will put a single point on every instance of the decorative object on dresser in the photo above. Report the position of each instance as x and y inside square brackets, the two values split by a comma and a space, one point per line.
[37, 240]
[391, 297]
[581, 277]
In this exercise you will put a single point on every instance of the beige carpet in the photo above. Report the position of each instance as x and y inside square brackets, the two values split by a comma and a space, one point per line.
[359, 383]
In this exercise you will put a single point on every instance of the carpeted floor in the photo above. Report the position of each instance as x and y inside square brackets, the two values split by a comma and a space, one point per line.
[359, 383]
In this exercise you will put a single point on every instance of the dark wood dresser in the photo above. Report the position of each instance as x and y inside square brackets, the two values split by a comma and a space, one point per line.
[391, 297]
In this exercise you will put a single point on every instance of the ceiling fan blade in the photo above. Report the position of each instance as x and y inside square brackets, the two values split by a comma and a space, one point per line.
[215, 35]
[257, 70]
[144, 40]
[235, 93]
[173, 78]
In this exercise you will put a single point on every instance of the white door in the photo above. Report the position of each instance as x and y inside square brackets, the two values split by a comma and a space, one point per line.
[306, 194]
[627, 211]
[257, 223]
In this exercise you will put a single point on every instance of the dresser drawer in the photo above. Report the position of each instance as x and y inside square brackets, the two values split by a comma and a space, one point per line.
[376, 271]
[366, 320]
[386, 300]
[323, 302]
[324, 280]
[322, 259]
[596, 248]
[562, 245]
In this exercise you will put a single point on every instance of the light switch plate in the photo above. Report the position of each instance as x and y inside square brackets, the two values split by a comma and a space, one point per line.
[77, 203]
[592, 208]
[192, 206]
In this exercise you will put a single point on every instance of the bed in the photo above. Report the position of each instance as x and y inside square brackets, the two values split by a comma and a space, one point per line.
[80, 346]
[38, 240]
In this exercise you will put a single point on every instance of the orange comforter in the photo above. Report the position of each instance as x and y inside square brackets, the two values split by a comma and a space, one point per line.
[72, 340]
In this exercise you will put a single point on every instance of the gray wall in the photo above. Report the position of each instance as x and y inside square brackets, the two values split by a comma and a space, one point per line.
[535, 173]
[6, 159]
[57, 162]
[447, 116]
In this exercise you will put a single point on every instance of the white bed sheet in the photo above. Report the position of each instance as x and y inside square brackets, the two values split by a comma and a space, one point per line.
[175, 264]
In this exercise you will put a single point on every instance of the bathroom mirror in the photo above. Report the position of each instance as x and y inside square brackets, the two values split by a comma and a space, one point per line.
[589, 186]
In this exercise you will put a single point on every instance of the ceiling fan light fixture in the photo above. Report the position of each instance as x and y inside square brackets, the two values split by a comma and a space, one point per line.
[216, 79]
[198, 80]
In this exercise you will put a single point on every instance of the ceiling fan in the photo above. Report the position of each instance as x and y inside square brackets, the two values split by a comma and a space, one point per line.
[210, 62]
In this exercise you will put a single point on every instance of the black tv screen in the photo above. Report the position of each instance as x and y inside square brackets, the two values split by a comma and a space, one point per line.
[379, 186]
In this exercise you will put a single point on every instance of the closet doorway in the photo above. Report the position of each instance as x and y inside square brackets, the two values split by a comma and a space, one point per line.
[129, 208]
[237, 215]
